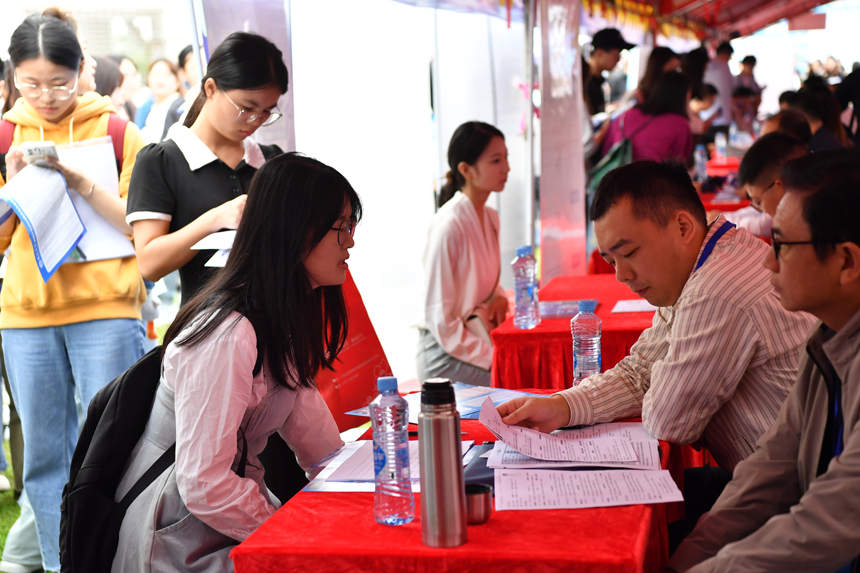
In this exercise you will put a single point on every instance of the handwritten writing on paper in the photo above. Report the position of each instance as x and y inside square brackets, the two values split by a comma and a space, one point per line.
[557, 489]
[536, 444]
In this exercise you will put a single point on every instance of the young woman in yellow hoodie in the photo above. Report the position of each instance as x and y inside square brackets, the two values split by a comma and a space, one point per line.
[81, 328]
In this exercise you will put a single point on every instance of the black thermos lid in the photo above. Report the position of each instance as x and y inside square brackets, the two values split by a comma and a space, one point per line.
[436, 391]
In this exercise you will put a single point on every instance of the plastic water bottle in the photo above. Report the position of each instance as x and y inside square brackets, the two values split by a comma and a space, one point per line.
[701, 157]
[720, 145]
[733, 134]
[585, 328]
[526, 313]
[393, 503]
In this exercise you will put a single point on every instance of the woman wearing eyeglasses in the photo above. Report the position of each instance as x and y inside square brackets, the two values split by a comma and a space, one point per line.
[278, 299]
[82, 327]
[195, 182]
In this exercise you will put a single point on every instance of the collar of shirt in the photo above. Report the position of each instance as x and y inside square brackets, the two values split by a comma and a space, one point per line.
[839, 347]
[712, 228]
[197, 154]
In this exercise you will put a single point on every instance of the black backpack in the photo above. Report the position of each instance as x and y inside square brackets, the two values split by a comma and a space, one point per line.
[116, 419]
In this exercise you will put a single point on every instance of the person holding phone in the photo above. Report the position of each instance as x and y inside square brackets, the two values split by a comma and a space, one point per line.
[195, 182]
[81, 328]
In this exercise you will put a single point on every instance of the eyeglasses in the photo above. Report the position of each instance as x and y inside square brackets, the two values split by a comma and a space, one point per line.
[347, 227]
[61, 93]
[756, 203]
[245, 116]
[777, 245]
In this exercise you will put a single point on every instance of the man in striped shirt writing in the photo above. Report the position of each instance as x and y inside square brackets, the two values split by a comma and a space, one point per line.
[721, 354]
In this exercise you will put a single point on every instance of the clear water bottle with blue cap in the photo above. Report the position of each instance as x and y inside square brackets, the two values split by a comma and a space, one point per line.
[701, 157]
[585, 328]
[393, 503]
[526, 313]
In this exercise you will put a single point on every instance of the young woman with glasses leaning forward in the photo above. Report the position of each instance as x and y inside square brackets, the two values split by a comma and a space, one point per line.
[279, 295]
[195, 182]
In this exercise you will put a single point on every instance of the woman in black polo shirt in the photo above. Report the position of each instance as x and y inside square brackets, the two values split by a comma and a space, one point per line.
[193, 184]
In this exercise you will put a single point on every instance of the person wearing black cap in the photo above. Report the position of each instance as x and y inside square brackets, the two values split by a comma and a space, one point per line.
[718, 75]
[606, 46]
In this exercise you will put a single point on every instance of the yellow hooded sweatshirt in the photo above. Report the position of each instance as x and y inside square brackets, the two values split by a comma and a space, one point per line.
[77, 292]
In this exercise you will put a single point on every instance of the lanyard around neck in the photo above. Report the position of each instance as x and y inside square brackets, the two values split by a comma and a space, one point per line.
[712, 242]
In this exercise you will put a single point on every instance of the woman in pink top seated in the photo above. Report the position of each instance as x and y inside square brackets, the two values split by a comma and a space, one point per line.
[280, 293]
[660, 128]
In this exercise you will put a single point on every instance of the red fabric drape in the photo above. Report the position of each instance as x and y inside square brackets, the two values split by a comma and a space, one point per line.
[543, 357]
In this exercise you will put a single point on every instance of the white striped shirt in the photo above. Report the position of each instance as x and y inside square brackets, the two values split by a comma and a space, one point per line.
[715, 367]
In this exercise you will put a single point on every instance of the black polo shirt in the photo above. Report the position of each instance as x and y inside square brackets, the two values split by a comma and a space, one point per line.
[180, 179]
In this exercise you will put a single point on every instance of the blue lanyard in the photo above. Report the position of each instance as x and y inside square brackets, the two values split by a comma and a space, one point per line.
[712, 242]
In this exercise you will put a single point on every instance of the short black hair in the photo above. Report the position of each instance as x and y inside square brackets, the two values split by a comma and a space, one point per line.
[742, 91]
[787, 97]
[656, 189]
[794, 124]
[707, 90]
[767, 155]
[183, 55]
[749, 60]
[725, 48]
[808, 104]
[830, 181]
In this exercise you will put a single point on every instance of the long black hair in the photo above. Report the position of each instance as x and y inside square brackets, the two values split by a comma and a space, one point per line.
[243, 61]
[48, 37]
[467, 144]
[660, 56]
[293, 202]
[669, 95]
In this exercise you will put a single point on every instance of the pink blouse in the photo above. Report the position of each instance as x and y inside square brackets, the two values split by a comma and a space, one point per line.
[214, 387]
[667, 136]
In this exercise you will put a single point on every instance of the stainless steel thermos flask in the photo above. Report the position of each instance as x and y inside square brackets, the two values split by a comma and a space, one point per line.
[443, 494]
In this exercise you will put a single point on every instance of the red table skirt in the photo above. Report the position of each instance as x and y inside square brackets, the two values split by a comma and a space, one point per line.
[336, 533]
[543, 356]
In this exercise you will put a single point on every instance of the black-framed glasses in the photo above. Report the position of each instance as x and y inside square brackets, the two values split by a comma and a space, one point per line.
[61, 93]
[756, 203]
[347, 227]
[245, 116]
[777, 244]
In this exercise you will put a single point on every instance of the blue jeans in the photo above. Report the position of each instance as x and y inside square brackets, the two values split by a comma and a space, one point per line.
[45, 366]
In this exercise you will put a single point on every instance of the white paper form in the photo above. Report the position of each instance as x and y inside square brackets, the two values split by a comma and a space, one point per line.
[359, 466]
[503, 456]
[40, 199]
[222, 241]
[97, 159]
[536, 444]
[635, 305]
[556, 489]
[215, 241]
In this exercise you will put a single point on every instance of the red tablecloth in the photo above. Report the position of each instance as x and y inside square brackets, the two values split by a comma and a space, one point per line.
[336, 532]
[724, 206]
[543, 357]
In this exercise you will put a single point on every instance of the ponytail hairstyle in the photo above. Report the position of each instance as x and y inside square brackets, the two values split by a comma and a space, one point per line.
[51, 35]
[293, 203]
[467, 144]
[243, 61]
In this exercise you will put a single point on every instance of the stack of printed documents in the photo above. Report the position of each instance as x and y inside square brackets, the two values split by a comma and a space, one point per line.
[534, 470]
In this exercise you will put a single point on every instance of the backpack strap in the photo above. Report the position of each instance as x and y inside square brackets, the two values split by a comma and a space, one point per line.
[116, 129]
[155, 470]
[7, 132]
[169, 455]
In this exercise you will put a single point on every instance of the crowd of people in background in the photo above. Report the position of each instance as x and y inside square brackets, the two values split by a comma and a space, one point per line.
[239, 362]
